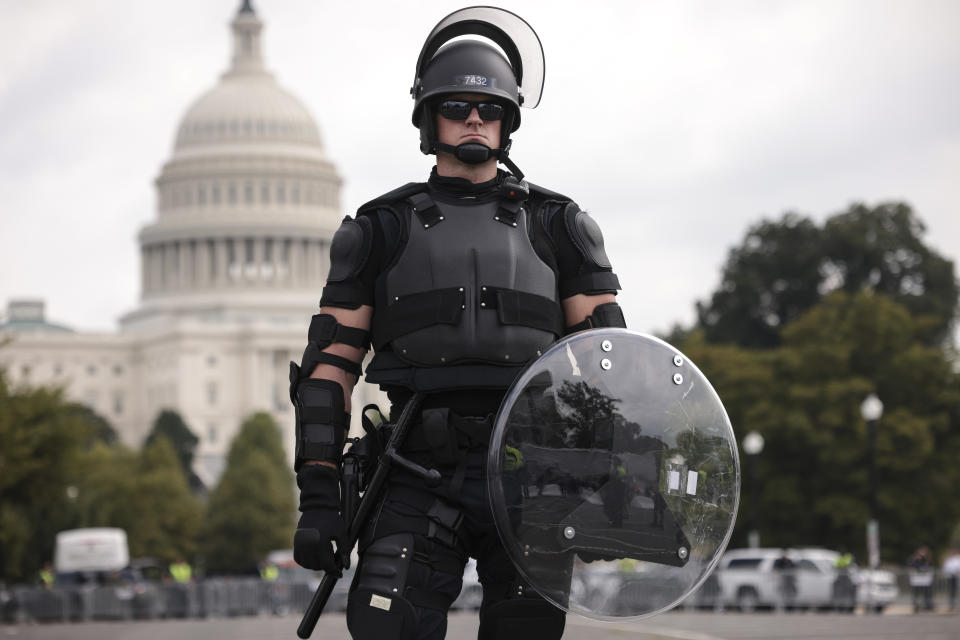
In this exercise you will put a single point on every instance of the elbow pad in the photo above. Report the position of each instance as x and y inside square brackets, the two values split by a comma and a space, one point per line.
[608, 314]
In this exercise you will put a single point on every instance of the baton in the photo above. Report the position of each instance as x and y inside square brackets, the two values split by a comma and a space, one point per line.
[370, 496]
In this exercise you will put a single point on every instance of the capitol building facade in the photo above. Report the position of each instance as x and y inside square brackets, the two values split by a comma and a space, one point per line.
[231, 271]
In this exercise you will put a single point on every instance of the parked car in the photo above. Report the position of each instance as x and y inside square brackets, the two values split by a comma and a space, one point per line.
[799, 579]
[877, 588]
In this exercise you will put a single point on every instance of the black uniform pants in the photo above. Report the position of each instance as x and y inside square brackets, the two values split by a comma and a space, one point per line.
[412, 556]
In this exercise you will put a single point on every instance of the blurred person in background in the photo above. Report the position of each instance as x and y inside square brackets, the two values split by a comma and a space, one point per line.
[46, 576]
[951, 570]
[921, 579]
[181, 572]
[788, 579]
[844, 588]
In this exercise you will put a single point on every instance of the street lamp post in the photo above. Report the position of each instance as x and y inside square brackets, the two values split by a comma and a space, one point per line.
[871, 409]
[752, 446]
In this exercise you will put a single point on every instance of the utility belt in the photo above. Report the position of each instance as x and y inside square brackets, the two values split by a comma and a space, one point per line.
[447, 436]
[442, 439]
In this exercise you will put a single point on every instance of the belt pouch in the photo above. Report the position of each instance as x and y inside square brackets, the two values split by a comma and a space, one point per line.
[436, 431]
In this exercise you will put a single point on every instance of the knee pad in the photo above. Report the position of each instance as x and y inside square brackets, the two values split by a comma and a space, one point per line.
[522, 618]
[376, 607]
[373, 616]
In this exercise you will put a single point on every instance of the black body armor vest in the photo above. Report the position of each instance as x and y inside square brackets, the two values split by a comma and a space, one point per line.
[465, 293]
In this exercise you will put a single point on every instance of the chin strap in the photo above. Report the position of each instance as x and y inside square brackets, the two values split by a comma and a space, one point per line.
[477, 153]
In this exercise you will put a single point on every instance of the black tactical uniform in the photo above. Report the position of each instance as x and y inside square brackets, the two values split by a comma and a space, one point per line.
[465, 281]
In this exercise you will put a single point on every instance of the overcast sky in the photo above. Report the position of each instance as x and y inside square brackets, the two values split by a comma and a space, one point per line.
[677, 124]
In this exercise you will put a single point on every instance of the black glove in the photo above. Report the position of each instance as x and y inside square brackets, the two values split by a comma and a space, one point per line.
[320, 520]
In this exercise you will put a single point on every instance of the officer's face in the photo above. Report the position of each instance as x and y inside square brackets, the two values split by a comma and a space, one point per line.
[473, 129]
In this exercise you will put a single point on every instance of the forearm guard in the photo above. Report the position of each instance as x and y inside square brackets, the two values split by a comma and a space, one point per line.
[322, 422]
[608, 314]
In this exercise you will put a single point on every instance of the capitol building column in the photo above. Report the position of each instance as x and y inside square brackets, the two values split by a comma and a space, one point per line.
[296, 261]
[183, 249]
[258, 264]
[202, 265]
[220, 248]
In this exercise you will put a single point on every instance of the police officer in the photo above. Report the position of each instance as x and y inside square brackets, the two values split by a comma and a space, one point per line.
[457, 283]
[181, 571]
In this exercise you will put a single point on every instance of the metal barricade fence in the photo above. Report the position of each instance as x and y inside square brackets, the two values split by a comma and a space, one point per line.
[179, 600]
[212, 599]
[234, 597]
[243, 597]
[111, 603]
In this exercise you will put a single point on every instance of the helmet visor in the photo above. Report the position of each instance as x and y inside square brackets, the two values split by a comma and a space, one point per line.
[508, 30]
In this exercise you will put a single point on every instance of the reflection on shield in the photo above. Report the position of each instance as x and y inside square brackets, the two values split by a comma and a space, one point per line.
[613, 475]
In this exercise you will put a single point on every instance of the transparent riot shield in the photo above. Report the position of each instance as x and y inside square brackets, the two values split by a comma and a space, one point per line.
[613, 475]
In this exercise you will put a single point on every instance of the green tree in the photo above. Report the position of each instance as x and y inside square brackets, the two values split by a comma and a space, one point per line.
[100, 427]
[767, 281]
[251, 510]
[882, 249]
[784, 268]
[40, 437]
[835, 355]
[171, 426]
[804, 398]
[143, 493]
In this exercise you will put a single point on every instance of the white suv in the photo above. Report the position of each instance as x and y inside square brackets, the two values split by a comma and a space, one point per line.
[799, 578]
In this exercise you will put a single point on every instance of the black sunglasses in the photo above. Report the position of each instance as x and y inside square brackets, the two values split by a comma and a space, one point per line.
[460, 110]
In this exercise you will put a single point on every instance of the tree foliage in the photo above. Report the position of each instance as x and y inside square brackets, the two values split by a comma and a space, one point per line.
[804, 398]
[785, 267]
[99, 427]
[40, 436]
[171, 426]
[767, 281]
[882, 249]
[145, 494]
[251, 510]
[61, 468]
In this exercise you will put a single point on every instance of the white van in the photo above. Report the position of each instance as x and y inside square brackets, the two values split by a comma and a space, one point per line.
[91, 550]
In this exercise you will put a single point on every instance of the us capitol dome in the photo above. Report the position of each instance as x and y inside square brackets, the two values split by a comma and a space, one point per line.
[246, 205]
[232, 268]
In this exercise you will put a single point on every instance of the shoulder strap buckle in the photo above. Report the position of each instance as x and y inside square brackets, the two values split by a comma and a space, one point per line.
[423, 206]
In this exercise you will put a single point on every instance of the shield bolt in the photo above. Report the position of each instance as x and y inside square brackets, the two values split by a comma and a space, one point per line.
[677, 378]
[569, 533]
[605, 364]
[678, 360]
[606, 345]
[682, 553]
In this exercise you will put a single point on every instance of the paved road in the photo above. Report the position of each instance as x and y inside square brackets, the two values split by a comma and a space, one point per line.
[463, 626]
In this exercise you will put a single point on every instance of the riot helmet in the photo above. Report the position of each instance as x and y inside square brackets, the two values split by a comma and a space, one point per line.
[507, 65]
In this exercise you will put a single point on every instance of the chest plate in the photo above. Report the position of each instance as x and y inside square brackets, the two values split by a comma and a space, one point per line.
[467, 287]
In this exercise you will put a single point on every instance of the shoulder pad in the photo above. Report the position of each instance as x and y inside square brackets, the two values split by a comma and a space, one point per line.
[397, 195]
[586, 236]
[350, 248]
